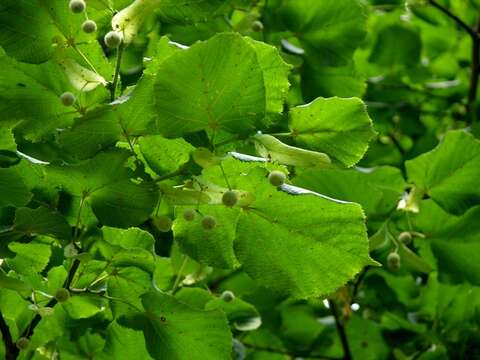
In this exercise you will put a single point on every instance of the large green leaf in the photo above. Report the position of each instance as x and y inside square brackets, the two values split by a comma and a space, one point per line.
[397, 45]
[378, 190]
[42, 221]
[213, 247]
[176, 331]
[339, 127]
[329, 30]
[29, 258]
[106, 184]
[124, 344]
[275, 76]
[214, 85]
[319, 80]
[290, 240]
[449, 173]
[34, 24]
[454, 241]
[30, 93]
[192, 11]
[165, 155]
[14, 190]
[301, 243]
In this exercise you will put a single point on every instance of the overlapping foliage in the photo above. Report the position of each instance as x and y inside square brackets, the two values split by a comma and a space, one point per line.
[117, 240]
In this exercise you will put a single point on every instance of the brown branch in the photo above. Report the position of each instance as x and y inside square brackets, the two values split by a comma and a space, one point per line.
[36, 319]
[11, 350]
[475, 71]
[455, 18]
[347, 355]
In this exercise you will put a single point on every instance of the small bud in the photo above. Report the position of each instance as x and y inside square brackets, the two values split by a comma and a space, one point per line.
[89, 26]
[209, 222]
[189, 214]
[276, 178]
[393, 261]
[405, 237]
[62, 295]
[230, 198]
[113, 39]
[67, 98]
[77, 6]
[227, 296]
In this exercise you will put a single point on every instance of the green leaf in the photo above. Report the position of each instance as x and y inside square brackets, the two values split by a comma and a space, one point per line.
[89, 134]
[128, 239]
[176, 331]
[83, 306]
[123, 344]
[239, 313]
[30, 94]
[397, 45]
[454, 241]
[275, 76]
[343, 81]
[29, 258]
[31, 24]
[339, 127]
[165, 155]
[14, 190]
[225, 80]
[329, 30]
[449, 173]
[213, 247]
[9, 282]
[192, 11]
[378, 190]
[301, 245]
[106, 184]
[42, 221]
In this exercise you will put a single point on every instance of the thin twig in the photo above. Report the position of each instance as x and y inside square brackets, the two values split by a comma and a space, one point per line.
[455, 18]
[474, 74]
[179, 274]
[117, 72]
[347, 355]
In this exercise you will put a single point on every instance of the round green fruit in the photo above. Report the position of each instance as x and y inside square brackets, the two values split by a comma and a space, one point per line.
[112, 39]
[22, 343]
[230, 198]
[277, 178]
[67, 98]
[89, 26]
[227, 296]
[405, 237]
[393, 261]
[62, 295]
[189, 214]
[209, 222]
[163, 223]
[77, 6]
[257, 26]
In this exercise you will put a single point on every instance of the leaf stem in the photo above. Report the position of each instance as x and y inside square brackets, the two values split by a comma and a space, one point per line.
[82, 55]
[347, 355]
[117, 72]
[179, 274]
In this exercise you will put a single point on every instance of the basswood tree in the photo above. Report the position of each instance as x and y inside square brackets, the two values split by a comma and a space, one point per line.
[203, 180]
